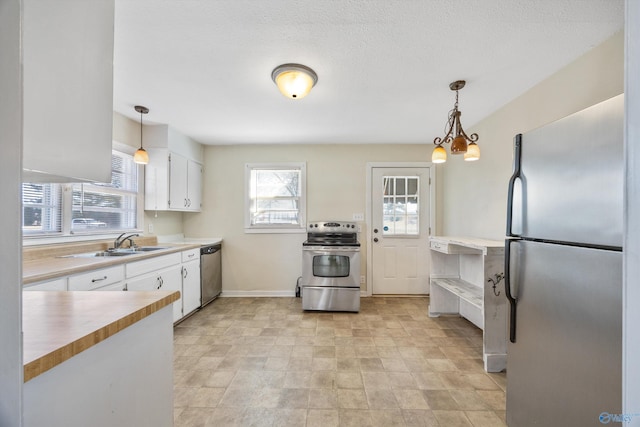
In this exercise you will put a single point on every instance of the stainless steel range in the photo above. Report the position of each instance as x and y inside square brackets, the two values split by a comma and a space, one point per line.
[331, 267]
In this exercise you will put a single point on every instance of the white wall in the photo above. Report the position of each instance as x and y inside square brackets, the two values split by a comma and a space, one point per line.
[336, 185]
[11, 366]
[473, 195]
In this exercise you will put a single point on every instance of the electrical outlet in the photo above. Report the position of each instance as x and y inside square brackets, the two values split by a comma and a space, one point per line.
[363, 280]
[150, 227]
[358, 217]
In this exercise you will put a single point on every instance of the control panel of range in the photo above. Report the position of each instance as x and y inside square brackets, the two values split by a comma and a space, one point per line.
[332, 226]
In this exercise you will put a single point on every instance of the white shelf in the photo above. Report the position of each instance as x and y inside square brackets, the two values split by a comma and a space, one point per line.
[465, 290]
[467, 279]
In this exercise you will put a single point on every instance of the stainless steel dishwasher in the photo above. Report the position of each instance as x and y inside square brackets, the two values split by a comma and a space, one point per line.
[210, 273]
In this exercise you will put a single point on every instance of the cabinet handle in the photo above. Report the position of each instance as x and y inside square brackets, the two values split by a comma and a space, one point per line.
[188, 202]
[184, 273]
[99, 280]
[185, 203]
[159, 281]
[191, 255]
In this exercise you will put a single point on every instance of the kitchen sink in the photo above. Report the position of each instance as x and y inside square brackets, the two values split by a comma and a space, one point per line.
[98, 254]
[116, 252]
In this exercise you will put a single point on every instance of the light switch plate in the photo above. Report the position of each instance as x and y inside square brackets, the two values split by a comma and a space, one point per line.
[358, 217]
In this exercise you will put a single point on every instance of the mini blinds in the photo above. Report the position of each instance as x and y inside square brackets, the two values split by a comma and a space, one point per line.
[112, 206]
[41, 209]
[275, 197]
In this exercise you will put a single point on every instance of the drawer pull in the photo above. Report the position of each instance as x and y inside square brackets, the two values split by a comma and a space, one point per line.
[98, 280]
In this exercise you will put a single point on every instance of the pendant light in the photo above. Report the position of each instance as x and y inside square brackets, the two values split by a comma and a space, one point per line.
[461, 143]
[294, 80]
[141, 156]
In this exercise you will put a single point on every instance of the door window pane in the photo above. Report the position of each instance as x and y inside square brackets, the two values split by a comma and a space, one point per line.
[400, 210]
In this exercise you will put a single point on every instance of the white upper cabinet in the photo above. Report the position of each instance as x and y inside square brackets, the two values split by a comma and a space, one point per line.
[68, 90]
[173, 177]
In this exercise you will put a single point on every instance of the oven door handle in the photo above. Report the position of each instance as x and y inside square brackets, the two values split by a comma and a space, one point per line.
[327, 250]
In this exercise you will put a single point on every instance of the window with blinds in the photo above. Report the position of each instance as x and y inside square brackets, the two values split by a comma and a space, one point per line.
[86, 208]
[112, 206]
[41, 209]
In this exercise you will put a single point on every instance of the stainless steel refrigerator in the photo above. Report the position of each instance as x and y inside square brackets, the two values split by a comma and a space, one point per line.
[564, 271]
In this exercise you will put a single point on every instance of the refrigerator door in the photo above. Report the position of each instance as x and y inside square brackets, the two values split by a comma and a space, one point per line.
[571, 179]
[564, 368]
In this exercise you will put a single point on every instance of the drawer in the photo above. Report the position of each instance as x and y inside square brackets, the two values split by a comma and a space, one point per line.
[112, 287]
[96, 278]
[439, 246]
[190, 255]
[51, 285]
[152, 264]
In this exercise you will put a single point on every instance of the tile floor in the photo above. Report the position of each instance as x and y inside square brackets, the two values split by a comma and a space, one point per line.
[265, 362]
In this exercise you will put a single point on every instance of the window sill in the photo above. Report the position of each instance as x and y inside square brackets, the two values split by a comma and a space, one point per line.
[47, 240]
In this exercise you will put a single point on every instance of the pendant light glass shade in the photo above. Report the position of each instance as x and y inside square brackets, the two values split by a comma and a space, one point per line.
[141, 156]
[473, 153]
[439, 155]
[459, 145]
[294, 80]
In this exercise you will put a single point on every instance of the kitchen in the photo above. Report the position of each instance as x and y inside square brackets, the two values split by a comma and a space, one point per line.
[486, 200]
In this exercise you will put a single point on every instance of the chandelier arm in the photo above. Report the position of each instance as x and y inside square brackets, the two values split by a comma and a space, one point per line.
[447, 137]
[472, 138]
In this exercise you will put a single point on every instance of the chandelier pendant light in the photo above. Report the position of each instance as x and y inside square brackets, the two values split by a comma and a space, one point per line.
[461, 143]
[294, 80]
[141, 156]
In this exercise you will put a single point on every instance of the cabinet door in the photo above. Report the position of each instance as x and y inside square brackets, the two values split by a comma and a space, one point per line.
[51, 285]
[178, 170]
[194, 186]
[190, 286]
[67, 67]
[172, 281]
[168, 279]
[146, 282]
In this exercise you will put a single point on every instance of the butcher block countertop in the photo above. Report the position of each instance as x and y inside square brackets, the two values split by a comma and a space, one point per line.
[59, 325]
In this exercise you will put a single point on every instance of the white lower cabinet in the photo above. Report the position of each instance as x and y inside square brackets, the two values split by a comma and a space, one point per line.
[166, 279]
[190, 286]
[178, 272]
[49, 285]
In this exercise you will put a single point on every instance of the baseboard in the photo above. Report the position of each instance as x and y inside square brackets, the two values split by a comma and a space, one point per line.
[256, 294]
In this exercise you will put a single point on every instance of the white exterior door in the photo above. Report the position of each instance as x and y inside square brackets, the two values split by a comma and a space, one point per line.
[399, 238]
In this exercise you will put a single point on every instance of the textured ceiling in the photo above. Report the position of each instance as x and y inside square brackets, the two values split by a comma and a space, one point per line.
[384, 66]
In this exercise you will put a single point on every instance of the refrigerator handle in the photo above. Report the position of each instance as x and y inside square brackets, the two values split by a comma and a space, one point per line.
[507, 288]
[517, 143]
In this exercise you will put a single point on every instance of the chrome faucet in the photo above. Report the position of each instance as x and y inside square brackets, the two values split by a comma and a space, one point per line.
[120, 240]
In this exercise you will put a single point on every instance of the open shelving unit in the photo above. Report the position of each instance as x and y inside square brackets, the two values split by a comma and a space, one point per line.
[467, 279]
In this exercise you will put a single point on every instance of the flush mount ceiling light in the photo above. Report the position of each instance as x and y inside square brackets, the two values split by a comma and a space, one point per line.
[294, 80]
[456, 135]
[141, 156]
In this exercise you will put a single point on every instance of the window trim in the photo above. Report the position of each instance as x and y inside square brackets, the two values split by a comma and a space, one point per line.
[302, 212]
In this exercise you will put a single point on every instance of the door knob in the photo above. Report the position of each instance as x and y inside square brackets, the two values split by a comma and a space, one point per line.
[375, 230]
[375, 239]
